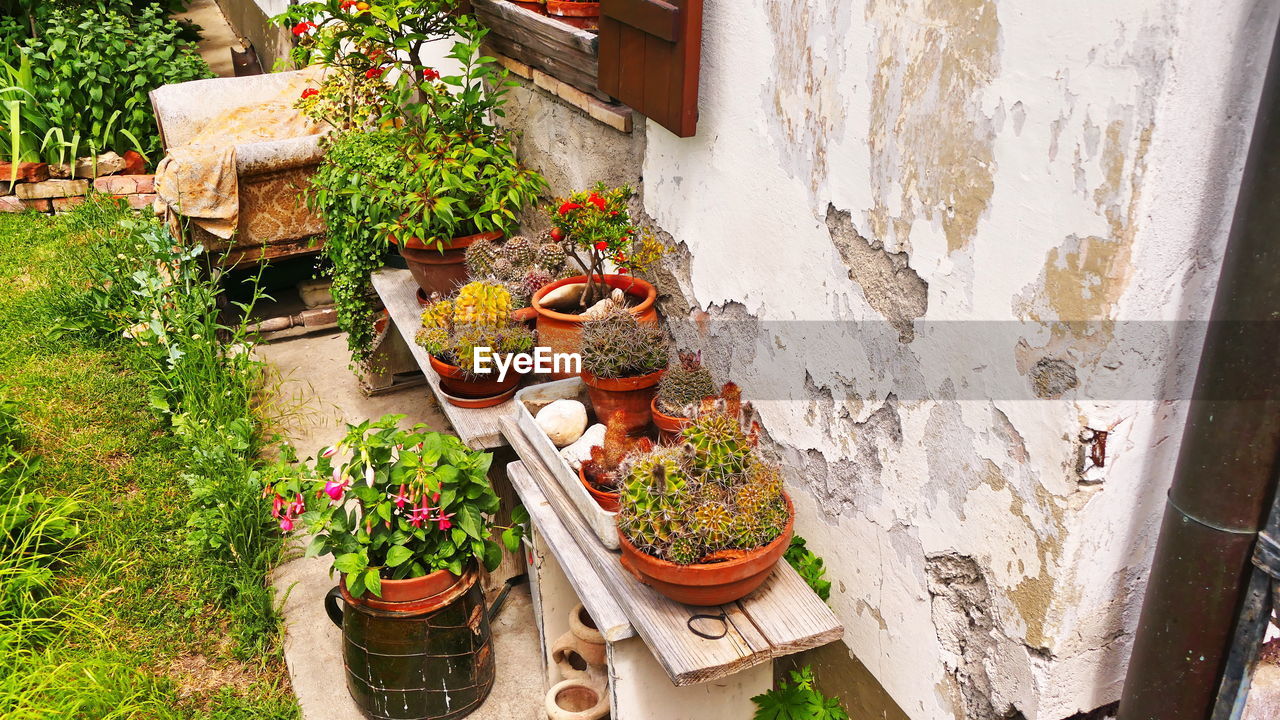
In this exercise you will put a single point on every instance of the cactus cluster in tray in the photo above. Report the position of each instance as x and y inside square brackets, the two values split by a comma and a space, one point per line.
[616, 345]
[706, 497]
[602, 468]
[684, 385]
[478, 315]
[520, 264]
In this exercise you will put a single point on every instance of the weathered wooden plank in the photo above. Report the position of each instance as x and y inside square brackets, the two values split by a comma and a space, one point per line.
[512, 20]
[576, 70]
[478, 429]
[598, 601]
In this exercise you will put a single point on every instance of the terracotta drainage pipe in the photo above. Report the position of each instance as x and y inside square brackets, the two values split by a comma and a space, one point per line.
[1226, 472]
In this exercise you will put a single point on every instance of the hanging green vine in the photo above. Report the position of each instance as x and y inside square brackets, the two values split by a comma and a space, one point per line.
[353, 245]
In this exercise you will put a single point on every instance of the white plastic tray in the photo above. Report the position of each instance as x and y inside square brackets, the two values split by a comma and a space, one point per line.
[529, 401]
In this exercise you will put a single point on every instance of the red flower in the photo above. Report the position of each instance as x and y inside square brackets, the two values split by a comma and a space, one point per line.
[347, 4]
[565, 208]
[602, 245]
[304, 27]
[622, 271]
[619, 258]
[373, 72]
[596, 200]
[309, 92]
[430, 74]
[557, 234]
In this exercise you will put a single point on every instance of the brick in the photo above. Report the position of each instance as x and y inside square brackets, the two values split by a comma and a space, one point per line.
[106, 164]
[64, 204]
[546, 82]
[140, 201]
[44, 205]
[125, 184]
[52, 189]
[134, 163]
[618, 119]
[11, 203]
[515, 66]
[27, 172]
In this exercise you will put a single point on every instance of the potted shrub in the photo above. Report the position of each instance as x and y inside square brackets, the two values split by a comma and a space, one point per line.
[705, 521]
[478, 316]
[457, 177]
[597, 232]
[599, 474]
[404, 515]
[680, 394]
[622, 361]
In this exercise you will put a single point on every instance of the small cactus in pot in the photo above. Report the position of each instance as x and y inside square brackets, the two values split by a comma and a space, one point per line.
[600, 473]
[712, 503]
[680, 393]
[622, 362]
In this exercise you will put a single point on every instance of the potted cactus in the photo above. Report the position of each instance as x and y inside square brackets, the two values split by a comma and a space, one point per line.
[597, 232]
[599, 474]
[680, 393]
[522, 265]
[705, 521]
[478, 316]
[622, 361]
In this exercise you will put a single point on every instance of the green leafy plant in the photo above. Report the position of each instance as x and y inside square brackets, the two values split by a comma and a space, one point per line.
[798, 699]
[707, 498]
[617, 345]
[420, 504]
[478, 315]
[809, 566]
[596, 227]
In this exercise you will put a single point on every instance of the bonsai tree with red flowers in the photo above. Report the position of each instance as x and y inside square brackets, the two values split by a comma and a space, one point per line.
[597, 230]
[406, 503]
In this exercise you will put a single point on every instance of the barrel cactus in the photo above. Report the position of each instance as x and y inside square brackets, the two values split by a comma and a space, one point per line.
[480, 258]
[478, 315]
[519, 251]
[482, 303]
[616, 345]
[684, 385]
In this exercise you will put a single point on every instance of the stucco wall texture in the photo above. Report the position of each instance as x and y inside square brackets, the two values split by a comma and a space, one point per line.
[889, 214]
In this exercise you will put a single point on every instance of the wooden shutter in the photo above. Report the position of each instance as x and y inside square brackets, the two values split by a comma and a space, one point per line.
[649, 58]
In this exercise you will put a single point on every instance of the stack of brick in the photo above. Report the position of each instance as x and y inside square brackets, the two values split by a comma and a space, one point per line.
[39, 188]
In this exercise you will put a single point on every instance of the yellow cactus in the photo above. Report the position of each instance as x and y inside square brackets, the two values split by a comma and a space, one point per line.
[438, 314]
[482, 303]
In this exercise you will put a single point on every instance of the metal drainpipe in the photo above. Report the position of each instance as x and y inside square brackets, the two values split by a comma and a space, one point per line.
[1226, 471]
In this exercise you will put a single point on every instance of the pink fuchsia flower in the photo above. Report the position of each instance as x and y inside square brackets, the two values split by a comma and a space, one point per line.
[277, 503]
[298, 507]
[444, 522]
[332, 449]
[420, 515]
[304, 27]
[401, 498]
[368, 475]
[286, 523]
[334, 490]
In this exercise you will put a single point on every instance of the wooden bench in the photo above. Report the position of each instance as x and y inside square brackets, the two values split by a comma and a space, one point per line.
[657, 667]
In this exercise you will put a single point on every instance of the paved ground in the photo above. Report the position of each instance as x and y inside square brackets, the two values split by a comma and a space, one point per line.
[216, 36]
[318, 392]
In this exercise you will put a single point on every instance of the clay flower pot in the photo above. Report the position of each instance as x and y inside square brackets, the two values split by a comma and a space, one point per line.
[566, 8]
[472, 391]
[576, 699]
[562, 332]
[581, 650]
[608, 501]
[436, 270]
[734, 576]
[419, 592]
[669, 426]
[631, 396]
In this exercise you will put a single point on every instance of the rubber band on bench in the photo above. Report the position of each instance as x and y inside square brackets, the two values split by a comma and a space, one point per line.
[724, 623]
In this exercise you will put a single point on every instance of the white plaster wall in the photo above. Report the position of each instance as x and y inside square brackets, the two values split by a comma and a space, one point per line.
[1036, 162]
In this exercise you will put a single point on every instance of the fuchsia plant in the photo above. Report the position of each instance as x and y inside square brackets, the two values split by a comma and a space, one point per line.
[406, 503]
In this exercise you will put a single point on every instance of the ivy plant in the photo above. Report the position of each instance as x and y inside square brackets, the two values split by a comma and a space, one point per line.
[809, 566]
[797, 700]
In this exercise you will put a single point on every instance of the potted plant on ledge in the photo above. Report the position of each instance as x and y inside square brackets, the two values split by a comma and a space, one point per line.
[597, 232]
[405, 521]
[622, 362]
[704, 522]
[478, 316]
[599, 474]
[680, 394]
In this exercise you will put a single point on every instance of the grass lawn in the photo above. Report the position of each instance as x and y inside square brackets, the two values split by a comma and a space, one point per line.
[157, 619]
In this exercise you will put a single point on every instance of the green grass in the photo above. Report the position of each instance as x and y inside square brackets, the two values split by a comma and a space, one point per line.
[144, 623]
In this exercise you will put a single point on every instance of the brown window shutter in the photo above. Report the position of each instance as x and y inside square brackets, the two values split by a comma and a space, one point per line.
[649, 58]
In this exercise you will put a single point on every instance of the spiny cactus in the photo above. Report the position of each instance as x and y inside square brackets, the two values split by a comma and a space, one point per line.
[713, 492]
[439, 314]
[534, 280]
[466, 338]
[549, 256]
[480, 258]
[616, 345]
[482, 303]
[503, 270]
[684, 385]
[602, 468]
[519, 251]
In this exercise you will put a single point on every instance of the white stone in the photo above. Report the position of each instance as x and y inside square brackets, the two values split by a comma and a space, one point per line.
[580, 451]
[563, 297]
[563, 421]
[599, 309]
[107, 163]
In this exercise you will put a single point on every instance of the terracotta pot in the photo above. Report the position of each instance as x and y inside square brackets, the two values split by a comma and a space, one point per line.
[562, 333]
[534, 7]
[561, 8]
[440, 270]
[607, 501]
[421, 594]
[576, 699]
[474, 389]
[632, 396]
[707, 584]
[669, 426]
